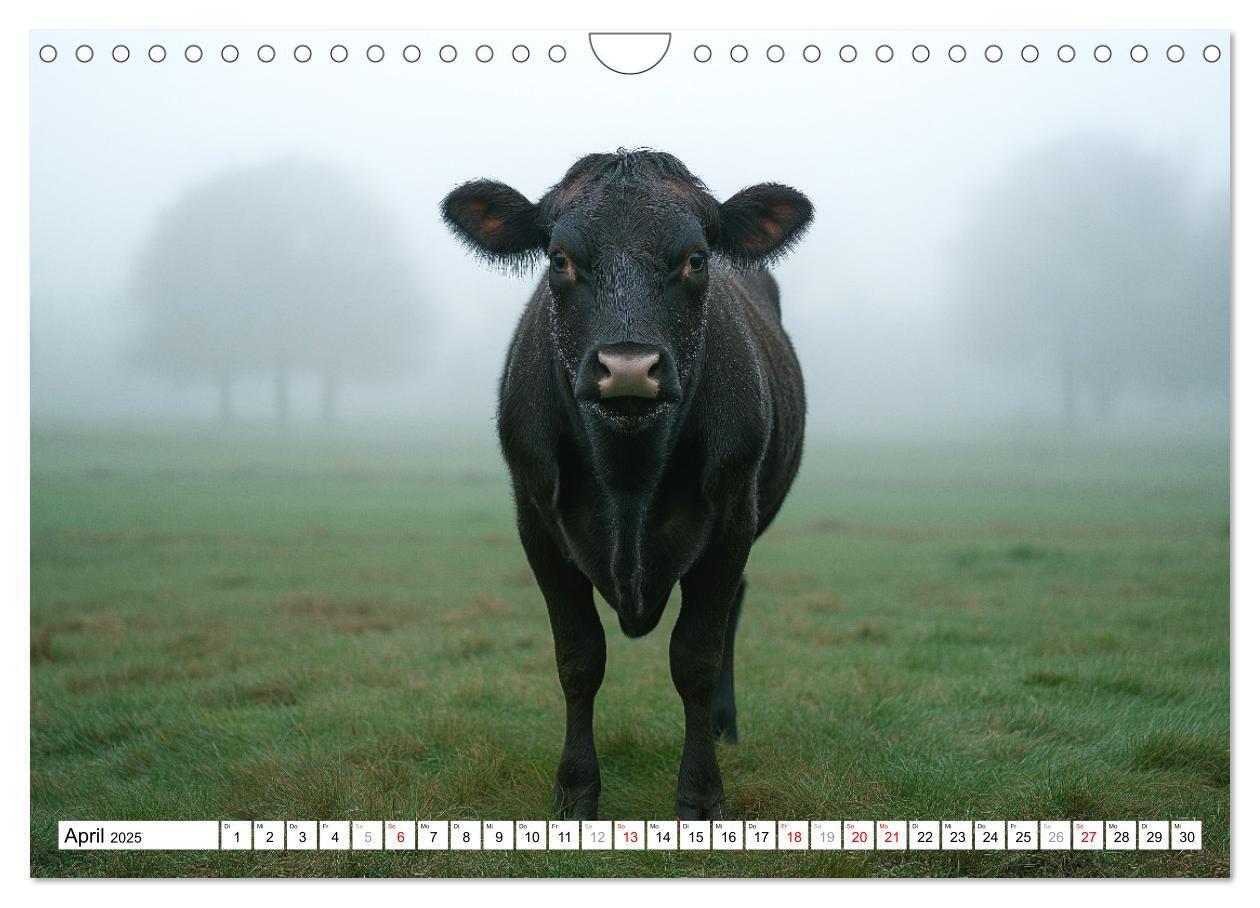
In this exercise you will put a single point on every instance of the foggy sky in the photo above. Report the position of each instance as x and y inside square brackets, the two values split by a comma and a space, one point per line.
[894, 156]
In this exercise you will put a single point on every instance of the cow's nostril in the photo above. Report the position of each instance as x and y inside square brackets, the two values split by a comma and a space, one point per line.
[628, 371]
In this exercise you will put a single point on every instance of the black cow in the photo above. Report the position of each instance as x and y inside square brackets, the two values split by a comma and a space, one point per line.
[651, 412]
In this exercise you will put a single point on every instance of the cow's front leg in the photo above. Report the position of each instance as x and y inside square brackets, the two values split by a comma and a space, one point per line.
[580, 653]
[695, 660]
[579, 640]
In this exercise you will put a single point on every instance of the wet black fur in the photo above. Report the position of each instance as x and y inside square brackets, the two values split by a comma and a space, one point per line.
[633, 502]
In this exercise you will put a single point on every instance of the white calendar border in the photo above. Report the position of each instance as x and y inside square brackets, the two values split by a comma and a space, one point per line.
[1245, 563]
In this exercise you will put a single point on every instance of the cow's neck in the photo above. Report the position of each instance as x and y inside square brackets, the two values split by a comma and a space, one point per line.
[627, 472]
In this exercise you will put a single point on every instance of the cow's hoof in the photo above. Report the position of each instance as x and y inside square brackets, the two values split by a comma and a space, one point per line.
[702, 810]
[724, 728]
[575, 805]
[724, 722]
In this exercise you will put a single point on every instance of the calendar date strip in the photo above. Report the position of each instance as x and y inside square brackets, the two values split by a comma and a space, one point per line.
[630, 835]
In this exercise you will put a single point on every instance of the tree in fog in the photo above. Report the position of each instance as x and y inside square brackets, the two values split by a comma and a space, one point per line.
[1101, 262]
[284, 269]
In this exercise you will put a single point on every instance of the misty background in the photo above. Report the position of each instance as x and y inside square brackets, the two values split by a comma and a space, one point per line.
[997, 246]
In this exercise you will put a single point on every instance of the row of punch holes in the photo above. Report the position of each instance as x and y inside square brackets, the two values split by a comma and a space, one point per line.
[556, 53]
[302, 53]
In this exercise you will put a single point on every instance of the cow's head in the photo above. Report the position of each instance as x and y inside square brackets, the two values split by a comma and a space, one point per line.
[629, 239]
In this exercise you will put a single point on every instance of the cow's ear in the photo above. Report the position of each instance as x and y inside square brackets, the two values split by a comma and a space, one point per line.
[495, 220]
[760, 223]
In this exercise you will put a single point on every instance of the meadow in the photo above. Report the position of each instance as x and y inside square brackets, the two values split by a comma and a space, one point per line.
[252, 625]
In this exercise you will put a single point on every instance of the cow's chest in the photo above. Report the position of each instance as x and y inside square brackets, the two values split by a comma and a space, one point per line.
[634, 544]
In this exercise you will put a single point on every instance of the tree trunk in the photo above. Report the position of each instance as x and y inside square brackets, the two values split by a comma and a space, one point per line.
[1102, 398]
[225, 399]
[282, 397]
[1068, 377]
[328, 408]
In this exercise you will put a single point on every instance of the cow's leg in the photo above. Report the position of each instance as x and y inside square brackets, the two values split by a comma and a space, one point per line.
[695, 661]
[724, 697]
[580, 650]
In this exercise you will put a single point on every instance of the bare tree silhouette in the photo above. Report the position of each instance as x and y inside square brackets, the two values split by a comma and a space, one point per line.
[1101, 262]
[283, 269]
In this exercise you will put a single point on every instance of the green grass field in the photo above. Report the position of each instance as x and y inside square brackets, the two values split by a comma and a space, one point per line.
[271, 628]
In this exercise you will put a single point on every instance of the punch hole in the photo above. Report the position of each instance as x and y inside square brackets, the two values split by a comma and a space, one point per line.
[411, 53]
[920, 54]
[812, 53]
[1211, 53]
[848, 53]
[447, 53]
[739, 53]
[375, 53]
[556, 53]
[229, 53]
[958, 53]
[703, 53]
[266, 53]
[1138, 53]
[630, 53]
[775, 53]
[338, 53]
[1030, 53]
[48, 53]
[121, 53]
[1102, 53]
[993, 53]
[192, 53]
[302, 53]
[484, 53]
[1176, 54]
[157, 53]
[520, 53]
[83, 53]
[1067, 53]
[883, 53]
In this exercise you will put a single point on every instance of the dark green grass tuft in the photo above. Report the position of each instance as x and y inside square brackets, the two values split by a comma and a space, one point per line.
[1184, 754]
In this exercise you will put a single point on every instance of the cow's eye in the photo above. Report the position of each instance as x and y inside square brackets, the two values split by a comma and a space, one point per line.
[697, 260]
[559, 261]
